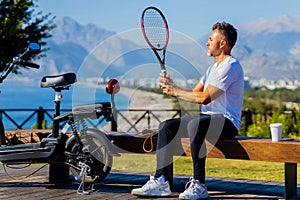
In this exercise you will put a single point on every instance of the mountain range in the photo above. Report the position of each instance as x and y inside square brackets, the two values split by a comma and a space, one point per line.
[266, 49]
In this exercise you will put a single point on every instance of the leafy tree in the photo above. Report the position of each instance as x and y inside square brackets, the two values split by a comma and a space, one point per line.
[20, 24]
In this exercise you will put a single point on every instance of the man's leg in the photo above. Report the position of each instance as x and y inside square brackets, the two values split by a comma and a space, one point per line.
[197, 130]
[156, 186]
[169, 131]
[211, 128]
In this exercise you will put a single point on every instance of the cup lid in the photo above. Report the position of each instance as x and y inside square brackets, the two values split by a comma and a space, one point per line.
[275, 124]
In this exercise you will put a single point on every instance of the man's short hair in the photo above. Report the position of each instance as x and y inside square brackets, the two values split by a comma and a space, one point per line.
[228, 31]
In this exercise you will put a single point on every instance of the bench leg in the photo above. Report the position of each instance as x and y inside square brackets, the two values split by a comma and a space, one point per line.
[290, 170]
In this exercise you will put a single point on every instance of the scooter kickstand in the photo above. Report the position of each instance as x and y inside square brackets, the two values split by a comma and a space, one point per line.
[82, 175]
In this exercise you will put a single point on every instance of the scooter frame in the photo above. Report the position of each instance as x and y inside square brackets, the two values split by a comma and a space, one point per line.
[87, 153]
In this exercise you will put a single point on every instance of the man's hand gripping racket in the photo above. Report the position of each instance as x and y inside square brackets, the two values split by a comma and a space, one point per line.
[156, 33]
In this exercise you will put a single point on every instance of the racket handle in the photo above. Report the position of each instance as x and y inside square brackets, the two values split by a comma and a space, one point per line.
[164, 72]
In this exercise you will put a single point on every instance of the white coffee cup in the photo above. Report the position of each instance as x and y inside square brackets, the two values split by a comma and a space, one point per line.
[276, 131]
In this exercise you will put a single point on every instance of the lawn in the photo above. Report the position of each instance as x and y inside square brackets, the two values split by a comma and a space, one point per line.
[256, 170]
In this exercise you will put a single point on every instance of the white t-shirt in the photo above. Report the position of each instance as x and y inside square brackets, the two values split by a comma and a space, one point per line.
[229, 77]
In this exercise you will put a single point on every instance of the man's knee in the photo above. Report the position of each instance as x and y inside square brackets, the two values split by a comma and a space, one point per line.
[169, 123]
[161, 125]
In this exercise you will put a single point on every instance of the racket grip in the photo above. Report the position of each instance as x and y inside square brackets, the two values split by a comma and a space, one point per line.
[164, 72]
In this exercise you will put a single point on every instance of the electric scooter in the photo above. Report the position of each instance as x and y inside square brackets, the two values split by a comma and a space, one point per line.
[86, 153]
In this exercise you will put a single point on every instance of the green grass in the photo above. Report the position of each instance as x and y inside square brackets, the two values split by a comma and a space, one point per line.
[224, 168]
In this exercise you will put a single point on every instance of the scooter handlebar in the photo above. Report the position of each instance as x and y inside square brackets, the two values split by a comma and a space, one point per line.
[29, 64]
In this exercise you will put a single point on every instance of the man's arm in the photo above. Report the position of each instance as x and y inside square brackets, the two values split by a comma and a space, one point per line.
[195, 95]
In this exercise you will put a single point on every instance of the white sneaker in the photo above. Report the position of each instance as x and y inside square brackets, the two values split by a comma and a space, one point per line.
[194, 190]
[153, 187]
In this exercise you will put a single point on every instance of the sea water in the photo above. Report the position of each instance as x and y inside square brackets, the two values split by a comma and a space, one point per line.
[15, 95]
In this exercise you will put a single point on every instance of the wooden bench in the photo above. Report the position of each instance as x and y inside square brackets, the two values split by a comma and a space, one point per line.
[243, 148]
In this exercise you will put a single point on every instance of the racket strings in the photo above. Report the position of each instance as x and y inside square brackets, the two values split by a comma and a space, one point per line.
[155, 29]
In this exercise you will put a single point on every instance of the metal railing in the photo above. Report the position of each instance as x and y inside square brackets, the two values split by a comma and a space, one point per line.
[136, 120]
[7, 115]
[124, 120]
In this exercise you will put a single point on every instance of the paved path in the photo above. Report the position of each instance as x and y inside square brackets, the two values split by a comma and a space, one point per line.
[218, 188]
[118, 184]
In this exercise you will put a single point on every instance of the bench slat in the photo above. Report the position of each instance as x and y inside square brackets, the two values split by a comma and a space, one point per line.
[258, 149]
[244, 149]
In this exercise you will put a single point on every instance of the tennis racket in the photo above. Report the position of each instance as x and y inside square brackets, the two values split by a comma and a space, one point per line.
[156, 33]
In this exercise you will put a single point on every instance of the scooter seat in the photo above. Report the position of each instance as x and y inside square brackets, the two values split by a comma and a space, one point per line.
[58, 80]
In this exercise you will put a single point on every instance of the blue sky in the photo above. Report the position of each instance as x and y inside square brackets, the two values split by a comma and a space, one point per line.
[191, 17]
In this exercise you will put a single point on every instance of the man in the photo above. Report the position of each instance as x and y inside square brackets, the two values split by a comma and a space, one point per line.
[220, 91]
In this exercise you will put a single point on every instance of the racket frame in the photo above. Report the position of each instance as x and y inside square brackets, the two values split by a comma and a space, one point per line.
[161, 58]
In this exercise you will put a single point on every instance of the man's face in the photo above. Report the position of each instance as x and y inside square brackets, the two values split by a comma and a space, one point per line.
[213, 43]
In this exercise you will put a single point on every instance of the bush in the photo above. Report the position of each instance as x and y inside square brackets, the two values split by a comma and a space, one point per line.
[259, 128]
[289, 120]
[44, 125]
